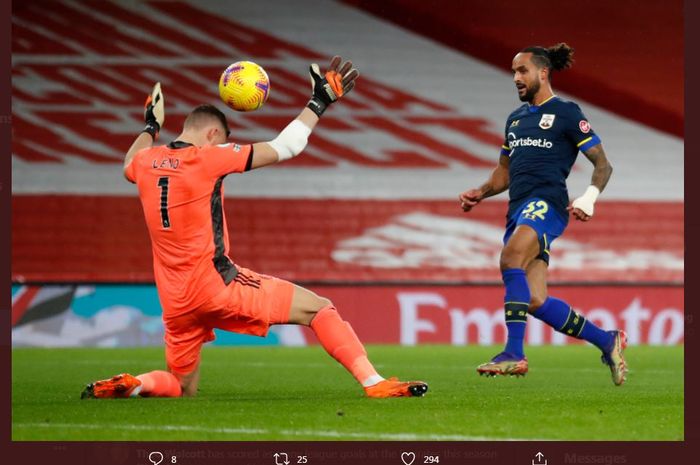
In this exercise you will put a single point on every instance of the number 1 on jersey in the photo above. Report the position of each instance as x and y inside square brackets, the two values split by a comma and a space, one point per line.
[164, 217]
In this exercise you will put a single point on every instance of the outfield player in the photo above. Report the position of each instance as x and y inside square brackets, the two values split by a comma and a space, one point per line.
[542, 140]
[200, 288]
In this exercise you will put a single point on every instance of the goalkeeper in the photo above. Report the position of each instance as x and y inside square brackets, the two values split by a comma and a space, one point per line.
[200, 288]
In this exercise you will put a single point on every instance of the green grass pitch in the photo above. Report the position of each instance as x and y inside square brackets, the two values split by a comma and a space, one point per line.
[256, 393]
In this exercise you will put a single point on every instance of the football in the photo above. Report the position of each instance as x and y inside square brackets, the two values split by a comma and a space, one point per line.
[244, 86]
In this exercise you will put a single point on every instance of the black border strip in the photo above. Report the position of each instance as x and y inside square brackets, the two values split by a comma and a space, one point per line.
[6, 217]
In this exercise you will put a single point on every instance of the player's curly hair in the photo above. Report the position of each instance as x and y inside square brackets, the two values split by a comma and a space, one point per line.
[207, 111]
[556, 58]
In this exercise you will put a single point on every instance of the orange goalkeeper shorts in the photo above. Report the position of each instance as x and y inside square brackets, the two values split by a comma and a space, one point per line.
[248, 305]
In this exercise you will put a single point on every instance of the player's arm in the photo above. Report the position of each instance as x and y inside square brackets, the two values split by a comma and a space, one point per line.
[154, 116]
[288, 144]
[497, 183]
[143, 141]
[582, 207]
[327, 89]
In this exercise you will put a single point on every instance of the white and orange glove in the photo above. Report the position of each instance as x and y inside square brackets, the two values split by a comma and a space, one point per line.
[154, 112]
[332, 85]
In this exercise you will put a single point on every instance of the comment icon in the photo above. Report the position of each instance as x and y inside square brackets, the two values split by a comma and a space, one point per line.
[155, 457]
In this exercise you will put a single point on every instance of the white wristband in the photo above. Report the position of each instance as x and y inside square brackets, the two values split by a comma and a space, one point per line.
[291, 141]
[587, 200]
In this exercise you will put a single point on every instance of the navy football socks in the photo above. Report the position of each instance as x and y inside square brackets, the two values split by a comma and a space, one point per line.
[560, 316]
[516, 302]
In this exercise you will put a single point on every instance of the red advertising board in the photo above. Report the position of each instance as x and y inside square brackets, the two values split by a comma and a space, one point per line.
[474, 314]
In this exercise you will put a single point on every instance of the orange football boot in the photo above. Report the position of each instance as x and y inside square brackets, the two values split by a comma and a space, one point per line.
[123, 385]
[392, 387]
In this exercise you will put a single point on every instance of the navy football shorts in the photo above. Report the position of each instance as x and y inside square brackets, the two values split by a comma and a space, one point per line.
[538, 214]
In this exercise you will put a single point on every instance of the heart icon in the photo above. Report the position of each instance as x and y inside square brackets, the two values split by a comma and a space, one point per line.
[408, 457]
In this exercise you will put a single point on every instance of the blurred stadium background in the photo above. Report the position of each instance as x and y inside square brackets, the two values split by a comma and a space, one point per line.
[368, 215]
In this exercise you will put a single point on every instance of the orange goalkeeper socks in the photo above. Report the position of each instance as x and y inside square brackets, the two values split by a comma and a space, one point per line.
[159, 384]
[341, 342]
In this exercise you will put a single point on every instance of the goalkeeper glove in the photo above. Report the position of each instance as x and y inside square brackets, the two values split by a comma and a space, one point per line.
[154, 112]
[329, 87]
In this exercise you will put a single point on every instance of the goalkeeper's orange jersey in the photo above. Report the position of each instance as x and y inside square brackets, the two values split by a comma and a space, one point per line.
[182, 194]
